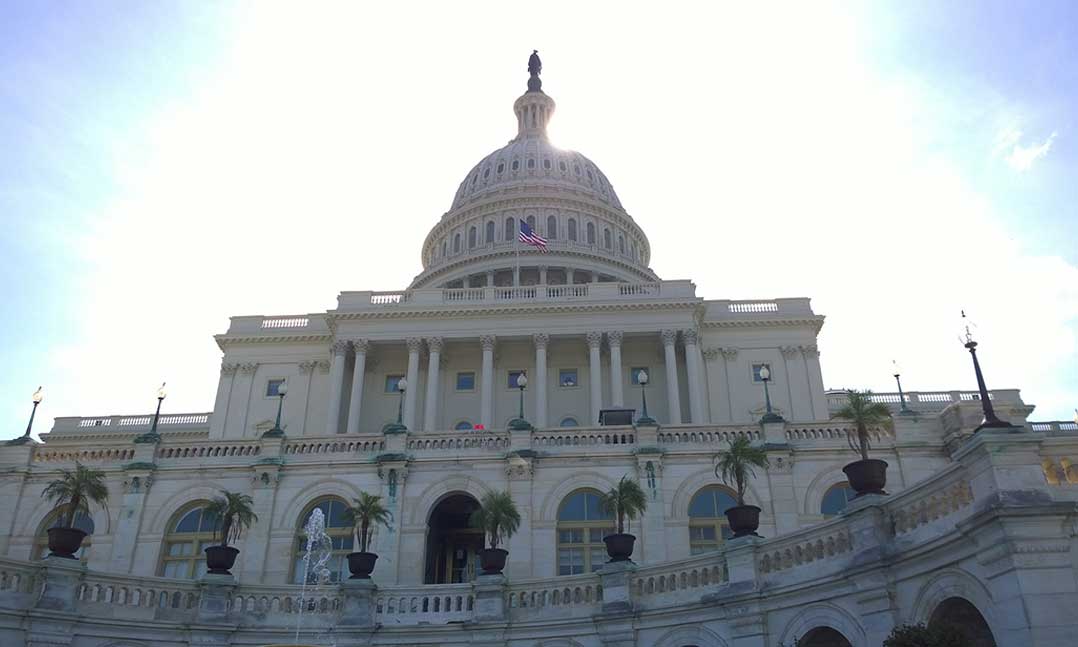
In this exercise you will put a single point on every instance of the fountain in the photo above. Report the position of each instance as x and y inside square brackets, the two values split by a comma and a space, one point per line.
[316, 554]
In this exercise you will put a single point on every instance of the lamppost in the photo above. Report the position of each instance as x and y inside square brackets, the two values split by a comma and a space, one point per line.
[398, 427]
[644, 419]
[277, 432]
[519, 423]
[770, 416]
[25, 438]
[990, 420]
[904, 410]
[152, 436]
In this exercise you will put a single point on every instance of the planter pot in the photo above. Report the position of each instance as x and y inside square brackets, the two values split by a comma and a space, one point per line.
[619, 546]
[219, 559]
[492, 560]
[743, 519]
[868, 476]
[65, 542]
[361, 565]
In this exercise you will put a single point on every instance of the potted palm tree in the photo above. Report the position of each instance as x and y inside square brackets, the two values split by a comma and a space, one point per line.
[868, 475]
[72, 493]
[499, 518]
[232, 514]
[735, 467]
[626, 499]
[364, 514]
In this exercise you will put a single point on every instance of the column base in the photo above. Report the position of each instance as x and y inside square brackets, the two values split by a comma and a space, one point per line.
[520, 424]
[772, 417]
[394, 428]
[646, 421]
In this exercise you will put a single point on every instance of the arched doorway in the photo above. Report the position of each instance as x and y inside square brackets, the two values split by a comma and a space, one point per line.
[823, 637]
[452, 544]
[961, 615]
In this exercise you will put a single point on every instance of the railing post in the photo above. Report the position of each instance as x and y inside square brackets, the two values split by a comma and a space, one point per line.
[216, 594]
[62, 578]
[616, 579]
[490, 598]
[741, 561]
[359, 603]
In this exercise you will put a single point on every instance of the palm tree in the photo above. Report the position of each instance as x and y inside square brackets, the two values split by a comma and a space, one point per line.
[233, 514]
[73, 491]
[863, 413]
[735, 467]
[626, 499]
[364, 514]
[497, 516]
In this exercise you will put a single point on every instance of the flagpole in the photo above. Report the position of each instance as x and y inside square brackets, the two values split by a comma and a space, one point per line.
[516, 248]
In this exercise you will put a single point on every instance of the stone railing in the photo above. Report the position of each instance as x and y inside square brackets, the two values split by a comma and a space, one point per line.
[548, 439]
[948, 494]
[550, 597]
[672, 583]
[433, 604]
[168, 452]
[819, 543]
[46, 454]
[298, 447]
[168, 597]
[928, 401]
[18, 579]
[1055, 426]
[486, 441]
[832, 430]
[708, 435]
[132, 424]
[260, 600]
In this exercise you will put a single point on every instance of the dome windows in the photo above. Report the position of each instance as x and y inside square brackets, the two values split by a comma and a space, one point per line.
[576, 169]
[572, 229]
[486, 173]
[516, 165]
[607, 239]
[621, 244]
[547, 165]
[562, 166]
[473, 235]
[456, 243]
[591, 178]
[510, 229]
[591, 233]
[501, 167]
[551, 227]
[531, 162]
[490, 231]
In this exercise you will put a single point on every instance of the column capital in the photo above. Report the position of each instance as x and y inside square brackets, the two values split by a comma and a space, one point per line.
[729, 353]
[339, 347]
[594, 338]
[789, 352]
[810, 351]
[360, 345]
[689, 336]
[415, 345]
[669, 337]
[541, 339]
[711, 354]
[434, 344]
[307, 367]
[249, 368]
[487, 342]
[613, 337]
[229, 369]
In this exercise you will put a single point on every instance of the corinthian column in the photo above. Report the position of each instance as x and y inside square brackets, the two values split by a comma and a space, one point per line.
[696, 377]
[355, 401]
[541, 340]
[673, 400]
[595, 374]
[336, 385]
[486, 396]
[613, 340]
[415, 344]
[434, 364]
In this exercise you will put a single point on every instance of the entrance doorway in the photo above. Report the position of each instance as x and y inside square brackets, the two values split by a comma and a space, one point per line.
[452, 544]
[823, 637]
[960, 614]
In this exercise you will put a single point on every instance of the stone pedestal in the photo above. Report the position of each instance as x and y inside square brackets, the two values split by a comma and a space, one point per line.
[741, 560]
[62, 579]
[490, 598]
[1004, 468]
[870, 527]
[358, 609]
[213, 602]
[775, 433]
[616, 578]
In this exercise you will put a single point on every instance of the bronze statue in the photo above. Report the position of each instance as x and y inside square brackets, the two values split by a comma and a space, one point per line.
[535, 68]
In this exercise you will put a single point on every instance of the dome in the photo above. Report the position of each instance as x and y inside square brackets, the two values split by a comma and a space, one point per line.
[560, 194]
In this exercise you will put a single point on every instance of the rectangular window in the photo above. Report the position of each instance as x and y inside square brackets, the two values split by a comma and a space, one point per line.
[756, 372]
[567, 378]
[271, 388]
[391, 383]
[512, 381]
[466, 381]
[634, 374]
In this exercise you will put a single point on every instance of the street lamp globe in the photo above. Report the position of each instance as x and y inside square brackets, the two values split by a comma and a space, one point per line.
[642, 378]
[161, 393]
[522, 380]
[765, 373]
[37, 397]
[282, 388]
[402, 385]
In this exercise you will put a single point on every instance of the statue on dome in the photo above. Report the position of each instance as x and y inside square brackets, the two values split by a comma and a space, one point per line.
[535, 68]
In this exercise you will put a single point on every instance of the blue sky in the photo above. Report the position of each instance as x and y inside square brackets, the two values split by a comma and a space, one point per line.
[168, 165]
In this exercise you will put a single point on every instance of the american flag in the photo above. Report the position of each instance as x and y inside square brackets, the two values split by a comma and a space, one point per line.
[529, 237]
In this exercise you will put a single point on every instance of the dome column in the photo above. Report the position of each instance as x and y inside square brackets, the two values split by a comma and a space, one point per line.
[486, 397]
[434, 365]
[415, 344]
[673, 399]
[541, 340]
[595, 375]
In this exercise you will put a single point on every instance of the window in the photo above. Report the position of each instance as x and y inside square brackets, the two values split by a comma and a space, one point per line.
[567, 378]
[589, 175]
[562, 167]
[607, 240]
[531, 162]
[188, 534]
[490, 231]
[546, 164]
[486, 173]
[272, 388]
[510, 229]
[341, 539]
[466, 381]
[707, 519]
[756, 373]
[576, 169]
[551, 227]
[621, 244]
[475, 178]
[463, 425]
[456, 243]
[634, 374]
[392, 381]
[516, 165]
[513, 375]
[572, 229]
[501, 166]
[531, 222]
[835, 499]
[634, 250]
[591, 233]
[473, 237]
[82, 521]
[445, 248]
[568, 421]
[582, 524]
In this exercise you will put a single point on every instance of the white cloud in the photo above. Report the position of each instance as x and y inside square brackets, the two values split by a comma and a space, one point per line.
[1021, 158]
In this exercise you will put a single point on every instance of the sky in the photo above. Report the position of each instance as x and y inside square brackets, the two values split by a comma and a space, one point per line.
[167, 165]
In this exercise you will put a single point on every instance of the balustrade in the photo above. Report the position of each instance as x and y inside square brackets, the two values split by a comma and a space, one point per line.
[435, 604]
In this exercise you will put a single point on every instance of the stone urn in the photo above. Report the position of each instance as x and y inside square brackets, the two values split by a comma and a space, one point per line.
[220, 559]
[361, 565]
[619, 546]
[743, 519]
[867, 476]
[492, 560]
[65, 542]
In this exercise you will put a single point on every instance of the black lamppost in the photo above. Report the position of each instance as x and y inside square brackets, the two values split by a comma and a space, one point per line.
[152, 436]
[25, 438]
[770, 416]
[990, 420]
[644, 419]
[398, 427]
[519, 423]
[904, 410]
[277, 432]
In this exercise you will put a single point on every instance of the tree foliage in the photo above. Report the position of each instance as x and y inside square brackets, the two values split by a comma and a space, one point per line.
[863, 413]
[736, 466]
[364, 514]
[497, 516]
[73, 491]
[626, 499]
[232, 513]
[921, 636]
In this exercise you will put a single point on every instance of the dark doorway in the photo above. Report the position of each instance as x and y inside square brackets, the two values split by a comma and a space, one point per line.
[823, 637]
[452, 544]
[963, 616]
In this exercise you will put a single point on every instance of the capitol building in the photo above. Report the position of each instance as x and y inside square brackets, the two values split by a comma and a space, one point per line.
[416, 396]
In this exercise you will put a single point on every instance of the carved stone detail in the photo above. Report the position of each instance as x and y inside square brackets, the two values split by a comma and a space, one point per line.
[249, 368]
[669, 337]
[265, 476]
[323, 366]
[541, 339]
[712, 354]
[415, 344]
[689, 336]
[229, 369]
[138, 483]
[360, 345]
[307, 367]
[487, 342]
[729, 353]
[614, 337]
[434, 344]
[789, 352]
[339, 347]
[810, 351]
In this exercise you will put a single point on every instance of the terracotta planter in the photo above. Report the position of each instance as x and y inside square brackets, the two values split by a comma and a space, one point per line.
[65, 542]
[219, 559]
[492, 560]
[743, 519]
[361, 565]
[867, 476]
[619, 546]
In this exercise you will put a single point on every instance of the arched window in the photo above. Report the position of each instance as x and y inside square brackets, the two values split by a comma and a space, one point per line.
[572, 229]
[531, 222]
[510, 229]
[634, 250]
[463, 425]
[456, 243]
[341, 536]
[835, 499]
[473, 236]
[188, 533]
[516, 165]
[607, 239]
[82, 521]
[531, 162]
[707, 521]
[621, 244]
[561, 166]
[551, 227]
[490, 231]
[591, 233]
[501, 167]
[568, 421]
[582, 524]
[444, 248]
[546, 164]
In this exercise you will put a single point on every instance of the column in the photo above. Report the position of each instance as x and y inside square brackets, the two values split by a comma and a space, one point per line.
[224, 394]
[542, 275]
[696, 377]
[490, 278]
[336, 385]
[673, 400]
[613, 340]
[415, 344]
[594, 277]
[595, 375]
[486, 398]
[541, 340]
[570, 275]
[355, 401]
[434, 364]
[256, 541]
[136, 486]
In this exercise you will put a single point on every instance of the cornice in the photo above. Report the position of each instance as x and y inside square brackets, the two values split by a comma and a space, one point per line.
[816, 322]
[551, 307]
[468, 259]
[225, 339]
